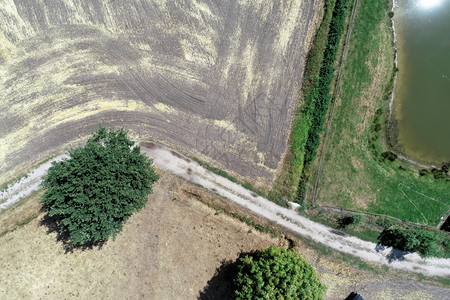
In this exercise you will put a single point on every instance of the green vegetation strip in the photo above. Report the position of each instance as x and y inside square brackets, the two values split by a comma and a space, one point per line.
[321, 92]
[357, 174]
[311, 112]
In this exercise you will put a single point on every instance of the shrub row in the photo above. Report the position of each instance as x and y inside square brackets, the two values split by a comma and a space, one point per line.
[307, 130]
[321, 92]
[286, 184]
[441, 173]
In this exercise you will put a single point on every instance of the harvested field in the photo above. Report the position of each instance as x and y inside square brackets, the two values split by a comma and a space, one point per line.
[172, 249]
[217, 79]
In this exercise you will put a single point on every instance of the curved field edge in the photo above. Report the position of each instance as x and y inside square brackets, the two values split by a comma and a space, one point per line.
[354, 177]
[161, 70]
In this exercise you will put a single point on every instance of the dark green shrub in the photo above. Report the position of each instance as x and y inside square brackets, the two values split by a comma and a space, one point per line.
[445, 167]
[276, 273]
[424, 172]
[98, 188]
[389, 156]
[377, 127]
[399, 238]
[438, 174]
[426, 243]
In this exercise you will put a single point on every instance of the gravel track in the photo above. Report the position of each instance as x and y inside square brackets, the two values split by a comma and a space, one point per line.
[180, 165]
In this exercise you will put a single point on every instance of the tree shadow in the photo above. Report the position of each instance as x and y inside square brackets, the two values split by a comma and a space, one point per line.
[396, 255]
[221, 285]
[53, 224]
[379, 247]
[393, 255]
[344, 222]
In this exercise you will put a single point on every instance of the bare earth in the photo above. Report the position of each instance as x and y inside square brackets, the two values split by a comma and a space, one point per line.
[288, 219]
[217, 79]
[169, 250]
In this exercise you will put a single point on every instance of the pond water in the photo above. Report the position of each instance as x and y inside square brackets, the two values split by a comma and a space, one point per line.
[422, 94]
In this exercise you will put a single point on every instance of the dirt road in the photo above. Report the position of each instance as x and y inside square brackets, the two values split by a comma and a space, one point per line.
[178, 164]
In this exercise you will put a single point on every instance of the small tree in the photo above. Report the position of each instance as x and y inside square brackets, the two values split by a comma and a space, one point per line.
[276, 273]
[99, 187]
[426, 243]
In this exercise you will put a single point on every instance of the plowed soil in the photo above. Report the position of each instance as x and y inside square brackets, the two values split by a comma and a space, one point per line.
[217, 79]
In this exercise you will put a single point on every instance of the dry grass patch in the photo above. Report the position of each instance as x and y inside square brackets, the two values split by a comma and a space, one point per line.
[170, 250]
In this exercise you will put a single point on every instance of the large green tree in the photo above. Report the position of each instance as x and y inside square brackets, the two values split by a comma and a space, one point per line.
[100, 185]
[276, 273]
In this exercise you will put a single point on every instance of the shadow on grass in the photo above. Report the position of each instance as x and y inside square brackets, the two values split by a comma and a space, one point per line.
[344, 222]
[53, 225]
[221, 286]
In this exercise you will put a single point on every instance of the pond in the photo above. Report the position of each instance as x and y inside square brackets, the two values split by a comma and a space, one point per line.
[422, 94]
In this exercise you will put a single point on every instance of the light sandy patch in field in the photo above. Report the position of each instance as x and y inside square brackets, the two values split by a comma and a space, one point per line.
[357, 164]
[206, 60]
[225, 124]
[165, 108]
[289, 22]
[251, 78]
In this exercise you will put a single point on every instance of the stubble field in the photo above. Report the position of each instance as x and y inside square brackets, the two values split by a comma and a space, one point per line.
[217, 79]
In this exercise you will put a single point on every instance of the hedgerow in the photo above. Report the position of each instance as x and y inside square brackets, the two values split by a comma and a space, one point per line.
[321, 92]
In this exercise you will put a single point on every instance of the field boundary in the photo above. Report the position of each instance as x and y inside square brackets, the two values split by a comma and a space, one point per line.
[336, 91]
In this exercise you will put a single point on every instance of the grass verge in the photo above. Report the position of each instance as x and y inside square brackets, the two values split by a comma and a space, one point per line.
[224, 174]
[354, 176]
[287, 181]
[21, 213]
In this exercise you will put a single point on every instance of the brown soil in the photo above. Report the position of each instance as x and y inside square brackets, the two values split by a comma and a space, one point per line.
[216, 79]
[175, 248]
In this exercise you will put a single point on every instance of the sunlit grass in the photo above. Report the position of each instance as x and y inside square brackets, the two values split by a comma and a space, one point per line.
[353, 177]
